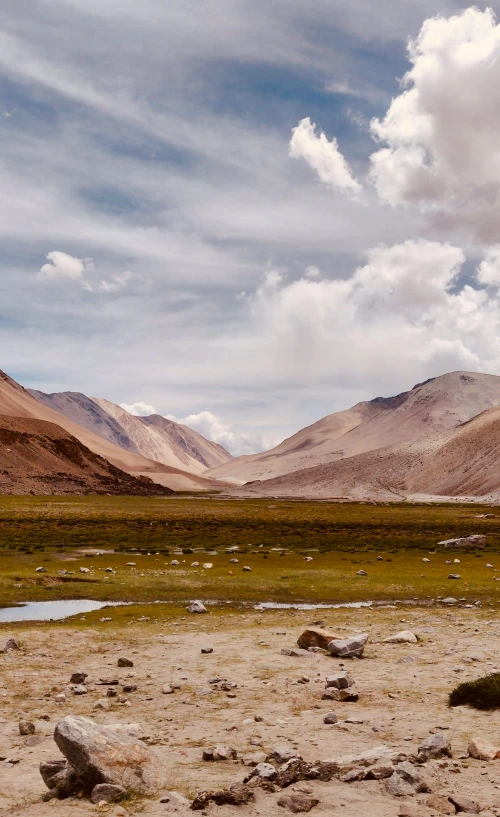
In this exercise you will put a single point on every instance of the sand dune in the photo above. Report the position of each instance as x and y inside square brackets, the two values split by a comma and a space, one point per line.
[437, 405]
[16, 401]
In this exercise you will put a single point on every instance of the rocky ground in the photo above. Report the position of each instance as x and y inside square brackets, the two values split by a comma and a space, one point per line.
[248, 695]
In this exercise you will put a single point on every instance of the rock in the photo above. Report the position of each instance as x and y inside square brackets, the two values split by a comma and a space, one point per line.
[235, 796]
[167, 689]
[426, 560]
[379, 772]
[207, 650]
[450, 600]
[254, 759]
[295, 652]
[40, 570]
[341, 680]
[79, 689]
[316, 637]
[330, 718]
[298, 803]
[361, 573]
[220, 752]
[84, 570]
[78, 678]
[26, 728]
[100, 754]
[197, 607]
[60, 778]
[478, 540]
[60, 698]
[482, 750]
[435, 746]
[454, 576]
[125, 662]
[247, 569]
[128, 688]
[349, 695]
[368, 758]
[463, 804]
[175, 797]
[174, 562]
[263, 770]
[102, 703]
[438, 802]
[207, 565]
[10, 644]
[282, 754]
[406, 780]
[349, 647]
[107, 793]
[404, 637]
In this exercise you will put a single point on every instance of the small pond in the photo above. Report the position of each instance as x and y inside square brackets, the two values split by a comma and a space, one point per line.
[52, 610]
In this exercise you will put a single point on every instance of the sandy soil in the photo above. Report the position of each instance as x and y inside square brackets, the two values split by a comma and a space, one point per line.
[403, 694]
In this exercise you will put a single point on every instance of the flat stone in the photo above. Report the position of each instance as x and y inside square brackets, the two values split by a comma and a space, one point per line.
[438, 802]
[349, 647]
[107, 793]
[404, 637]
[481, 749]
[342, 680]
[463, 804]
[207, 650]
[79, 689]
[220, 752]
[295, 652]
[477, 540]
[298, 803]
[316, 637]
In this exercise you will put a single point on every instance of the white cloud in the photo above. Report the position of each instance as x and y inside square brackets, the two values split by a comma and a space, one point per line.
[323, 156]
[213, 428]
[62, 265]
[488, 272]
[442, 152]
[139, 409]
[403, 311]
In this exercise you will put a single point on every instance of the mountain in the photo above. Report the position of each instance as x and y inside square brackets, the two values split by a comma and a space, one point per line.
[153, 437]
[439, 404]
[39, 457]
[460, 462]
[16, 401]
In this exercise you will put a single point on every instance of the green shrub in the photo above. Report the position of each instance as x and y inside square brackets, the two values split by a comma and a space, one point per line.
[481, 694]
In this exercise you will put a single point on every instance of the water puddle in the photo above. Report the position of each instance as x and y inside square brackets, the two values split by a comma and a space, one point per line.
[274, 605]
[52, 610]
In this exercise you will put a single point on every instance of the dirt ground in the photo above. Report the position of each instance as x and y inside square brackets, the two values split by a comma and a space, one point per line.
[403, 698]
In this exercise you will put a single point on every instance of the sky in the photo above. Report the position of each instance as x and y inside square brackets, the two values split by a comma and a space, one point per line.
[248, 214]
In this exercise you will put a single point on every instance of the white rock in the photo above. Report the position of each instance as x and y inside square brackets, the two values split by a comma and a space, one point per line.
[174, 562]
[247, 568]
[197, 607]
[426, 560]
[40, 570]
[480, 749]
[207, 565]
[349, 647]
[404, 637]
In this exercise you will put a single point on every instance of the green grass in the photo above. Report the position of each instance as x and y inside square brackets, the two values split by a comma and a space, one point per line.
[341, 537]
[484, 693]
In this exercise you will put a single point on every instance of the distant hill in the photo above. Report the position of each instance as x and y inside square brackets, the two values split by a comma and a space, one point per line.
[438, 404]
[38, 457]
[18, 402]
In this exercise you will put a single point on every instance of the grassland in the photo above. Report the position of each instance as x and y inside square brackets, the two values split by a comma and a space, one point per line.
[273, 539]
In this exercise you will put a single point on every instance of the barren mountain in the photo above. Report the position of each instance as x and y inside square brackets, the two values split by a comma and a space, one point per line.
[38, 457]
[436, 405]
[16, 401]
[460, 462]
[166, 441]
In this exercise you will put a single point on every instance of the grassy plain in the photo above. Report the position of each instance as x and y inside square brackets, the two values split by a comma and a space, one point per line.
[341, 538]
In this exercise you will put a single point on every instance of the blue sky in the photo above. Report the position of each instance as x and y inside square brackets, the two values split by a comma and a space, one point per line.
[148, 143]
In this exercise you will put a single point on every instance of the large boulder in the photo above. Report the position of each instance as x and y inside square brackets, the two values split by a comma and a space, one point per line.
[99, 754]
[316, 637]
[349, 647]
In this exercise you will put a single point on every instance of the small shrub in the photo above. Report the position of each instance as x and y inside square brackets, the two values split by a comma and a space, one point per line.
[481, 694]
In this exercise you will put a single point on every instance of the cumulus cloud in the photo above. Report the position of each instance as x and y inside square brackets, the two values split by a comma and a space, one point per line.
[440, 149]
[213, 428]
[404, 310]
[61, 265]
[323, 156]
[139, 409]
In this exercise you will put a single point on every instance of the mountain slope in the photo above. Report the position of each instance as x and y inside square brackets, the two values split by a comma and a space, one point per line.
[16, 401]
[166, 441]
[436, 405]
[460, 462]
[87, 413]
[39, 457]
